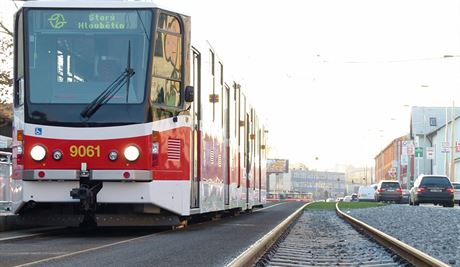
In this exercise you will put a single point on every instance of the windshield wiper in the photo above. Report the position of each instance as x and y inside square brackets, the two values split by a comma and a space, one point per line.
[111, 90]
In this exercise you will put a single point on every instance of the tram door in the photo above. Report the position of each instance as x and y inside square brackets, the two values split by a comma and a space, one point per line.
[259, 148]
[226, 123]
[247, 159]
[195, 112]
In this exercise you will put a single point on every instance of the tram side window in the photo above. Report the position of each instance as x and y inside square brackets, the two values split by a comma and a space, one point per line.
[213, 95]
[167, 64]
[217, 93]
[19, 88]
[221, 86]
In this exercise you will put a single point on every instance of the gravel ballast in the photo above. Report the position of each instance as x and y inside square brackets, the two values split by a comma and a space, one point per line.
[431, 229]
[321, 238]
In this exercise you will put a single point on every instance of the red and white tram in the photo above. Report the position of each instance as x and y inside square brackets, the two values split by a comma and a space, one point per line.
[119, 120]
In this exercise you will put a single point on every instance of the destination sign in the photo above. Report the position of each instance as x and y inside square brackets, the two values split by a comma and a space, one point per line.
[89, 20]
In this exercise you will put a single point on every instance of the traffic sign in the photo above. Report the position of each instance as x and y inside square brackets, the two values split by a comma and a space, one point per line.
[404, 160]
[410, 150]
[430, 153]
[445, 147]
[392, 172]
[419, 152]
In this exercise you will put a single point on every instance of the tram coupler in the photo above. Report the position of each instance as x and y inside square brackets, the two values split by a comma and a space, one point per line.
[86, 195]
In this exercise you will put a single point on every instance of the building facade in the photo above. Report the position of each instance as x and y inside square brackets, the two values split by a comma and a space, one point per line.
[359, 175]
[389, 164]
[406, 157]
[279, 183]
[322, 184]
[424, 122]
[446, 160]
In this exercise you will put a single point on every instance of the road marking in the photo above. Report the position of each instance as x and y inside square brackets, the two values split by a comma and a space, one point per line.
[270, 206]
[9, 253]
[20, 237]
[241, 224]
[46, 230]
[85, 250]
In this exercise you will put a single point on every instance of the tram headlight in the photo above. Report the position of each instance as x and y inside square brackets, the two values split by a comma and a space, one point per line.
[38, 153]
[132, 153]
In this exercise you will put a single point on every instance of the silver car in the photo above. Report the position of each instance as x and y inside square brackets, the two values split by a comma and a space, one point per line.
[456, 186]
[406, 195]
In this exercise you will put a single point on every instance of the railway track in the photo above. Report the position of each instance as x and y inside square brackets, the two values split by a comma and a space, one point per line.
[319, 238]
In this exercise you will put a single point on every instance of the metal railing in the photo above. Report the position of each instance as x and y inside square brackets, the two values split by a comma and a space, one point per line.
[5, 182]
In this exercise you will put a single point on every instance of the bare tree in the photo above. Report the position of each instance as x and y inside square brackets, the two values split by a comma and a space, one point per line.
[6, 58]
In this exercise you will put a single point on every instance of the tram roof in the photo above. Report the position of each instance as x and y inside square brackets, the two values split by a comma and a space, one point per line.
[91, 4]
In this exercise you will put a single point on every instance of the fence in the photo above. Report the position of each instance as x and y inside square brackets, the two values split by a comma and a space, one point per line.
[5, 186]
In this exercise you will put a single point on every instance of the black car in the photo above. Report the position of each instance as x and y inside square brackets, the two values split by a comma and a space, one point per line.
[388, 190]
[436, 189]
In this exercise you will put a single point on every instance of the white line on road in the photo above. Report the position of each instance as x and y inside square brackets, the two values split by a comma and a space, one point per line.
[85, 250]
[270, 206]
[46, 230]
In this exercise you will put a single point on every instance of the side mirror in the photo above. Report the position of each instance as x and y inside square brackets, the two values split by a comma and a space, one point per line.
[189, 94]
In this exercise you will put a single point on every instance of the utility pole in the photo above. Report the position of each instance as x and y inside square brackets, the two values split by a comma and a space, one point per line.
[398, 159]
[446, 163]
[452, 151]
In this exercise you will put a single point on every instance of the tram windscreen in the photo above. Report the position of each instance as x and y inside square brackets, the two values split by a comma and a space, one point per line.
[74, 54]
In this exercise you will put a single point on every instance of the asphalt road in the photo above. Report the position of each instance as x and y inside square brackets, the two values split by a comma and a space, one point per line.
[213, 243]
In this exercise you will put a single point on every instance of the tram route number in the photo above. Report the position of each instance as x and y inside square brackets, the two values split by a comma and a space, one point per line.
[85, 151]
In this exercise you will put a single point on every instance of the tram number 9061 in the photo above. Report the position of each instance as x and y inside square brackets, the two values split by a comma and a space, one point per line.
[85, 151]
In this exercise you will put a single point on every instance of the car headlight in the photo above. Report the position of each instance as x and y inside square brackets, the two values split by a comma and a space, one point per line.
[38, 153]
[132, 153]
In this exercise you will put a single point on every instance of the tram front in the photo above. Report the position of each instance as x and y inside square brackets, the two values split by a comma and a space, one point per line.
[83, 109]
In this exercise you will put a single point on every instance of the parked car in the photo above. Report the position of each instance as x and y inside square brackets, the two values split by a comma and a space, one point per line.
[347, 199]
[388, 190]
[330, 200]
[366, 192]
[456, 186]
[436, 189]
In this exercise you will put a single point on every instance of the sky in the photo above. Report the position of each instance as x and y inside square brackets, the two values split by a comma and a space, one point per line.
[333, 79]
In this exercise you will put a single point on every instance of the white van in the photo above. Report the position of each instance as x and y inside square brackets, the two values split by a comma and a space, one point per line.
[366, 192]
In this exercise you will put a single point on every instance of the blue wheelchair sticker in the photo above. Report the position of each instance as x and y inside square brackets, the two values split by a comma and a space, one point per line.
[38, 131]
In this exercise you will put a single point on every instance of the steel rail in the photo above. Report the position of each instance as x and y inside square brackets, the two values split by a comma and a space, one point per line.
[251, 255]
[409, 253]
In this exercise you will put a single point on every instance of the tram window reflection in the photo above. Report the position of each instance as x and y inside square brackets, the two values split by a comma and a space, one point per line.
[75, 64]
[167, 64]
